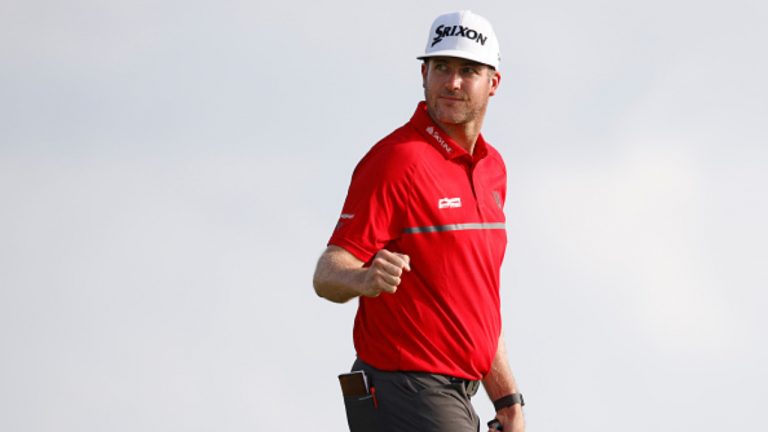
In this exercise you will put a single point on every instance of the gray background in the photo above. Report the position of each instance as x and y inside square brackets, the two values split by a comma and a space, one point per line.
[170, 171]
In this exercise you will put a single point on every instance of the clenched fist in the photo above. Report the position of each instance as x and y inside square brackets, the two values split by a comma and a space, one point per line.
[384, 274]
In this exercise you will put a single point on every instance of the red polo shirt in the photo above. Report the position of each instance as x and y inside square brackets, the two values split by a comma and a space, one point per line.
[417, 192]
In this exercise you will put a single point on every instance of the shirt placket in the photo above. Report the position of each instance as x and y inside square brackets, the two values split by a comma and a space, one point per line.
[469, 168]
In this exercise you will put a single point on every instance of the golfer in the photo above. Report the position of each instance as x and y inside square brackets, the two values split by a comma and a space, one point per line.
[420, 242]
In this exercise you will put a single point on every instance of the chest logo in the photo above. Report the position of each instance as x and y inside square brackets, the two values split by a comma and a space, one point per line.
[449, 203]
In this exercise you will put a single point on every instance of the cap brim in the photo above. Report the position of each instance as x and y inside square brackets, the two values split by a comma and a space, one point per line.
[460, 54]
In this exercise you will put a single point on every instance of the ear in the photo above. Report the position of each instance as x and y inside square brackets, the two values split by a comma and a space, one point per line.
[495, 81]
[424, 74]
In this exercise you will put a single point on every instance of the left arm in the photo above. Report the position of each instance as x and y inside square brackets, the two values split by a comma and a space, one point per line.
[500, 382]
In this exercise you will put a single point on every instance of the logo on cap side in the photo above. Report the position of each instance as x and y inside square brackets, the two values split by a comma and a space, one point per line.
[458, 31]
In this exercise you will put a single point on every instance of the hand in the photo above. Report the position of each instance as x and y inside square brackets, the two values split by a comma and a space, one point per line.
[511, 419]
[384, 273]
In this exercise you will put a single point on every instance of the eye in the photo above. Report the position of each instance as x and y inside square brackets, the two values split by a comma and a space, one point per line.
[469, 70]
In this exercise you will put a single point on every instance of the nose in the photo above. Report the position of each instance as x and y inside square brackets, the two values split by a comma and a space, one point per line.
[453, 81]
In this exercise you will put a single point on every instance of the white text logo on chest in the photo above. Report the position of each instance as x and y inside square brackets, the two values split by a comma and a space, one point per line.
[449, 203]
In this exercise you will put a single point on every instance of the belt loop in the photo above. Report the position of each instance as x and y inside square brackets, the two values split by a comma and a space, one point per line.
[472, 387]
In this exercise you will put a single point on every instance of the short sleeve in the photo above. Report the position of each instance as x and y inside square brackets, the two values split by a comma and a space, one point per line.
[374, 212]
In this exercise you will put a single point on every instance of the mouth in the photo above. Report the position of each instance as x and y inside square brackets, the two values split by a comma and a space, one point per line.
[451, 98]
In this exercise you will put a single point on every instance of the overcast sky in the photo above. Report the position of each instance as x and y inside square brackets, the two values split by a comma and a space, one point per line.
[170, 172]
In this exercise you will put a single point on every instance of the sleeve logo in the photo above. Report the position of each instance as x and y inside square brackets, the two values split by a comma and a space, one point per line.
[497, 198]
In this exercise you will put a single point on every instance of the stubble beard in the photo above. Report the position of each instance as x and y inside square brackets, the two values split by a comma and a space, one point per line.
[461, 113]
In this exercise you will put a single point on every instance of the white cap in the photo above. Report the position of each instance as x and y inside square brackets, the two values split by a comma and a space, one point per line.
[465, 35]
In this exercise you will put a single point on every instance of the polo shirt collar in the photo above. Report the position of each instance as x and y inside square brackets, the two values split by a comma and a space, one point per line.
[441, 141]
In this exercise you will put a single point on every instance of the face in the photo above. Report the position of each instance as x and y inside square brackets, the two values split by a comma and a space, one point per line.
[457, 90]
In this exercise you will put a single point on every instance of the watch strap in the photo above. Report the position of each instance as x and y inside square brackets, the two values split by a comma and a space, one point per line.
[508, 401]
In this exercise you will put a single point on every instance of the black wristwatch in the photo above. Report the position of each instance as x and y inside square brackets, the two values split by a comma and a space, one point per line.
[508, 401]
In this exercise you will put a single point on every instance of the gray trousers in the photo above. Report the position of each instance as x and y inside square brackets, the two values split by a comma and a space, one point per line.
[412, 402]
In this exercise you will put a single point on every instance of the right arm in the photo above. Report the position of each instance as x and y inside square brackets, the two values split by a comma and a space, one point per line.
[340, 276]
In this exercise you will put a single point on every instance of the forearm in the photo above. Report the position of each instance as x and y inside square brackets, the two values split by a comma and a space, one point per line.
[338, 275]
[500, 382]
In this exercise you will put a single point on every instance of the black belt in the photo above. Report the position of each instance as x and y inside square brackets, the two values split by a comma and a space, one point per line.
[470, 386]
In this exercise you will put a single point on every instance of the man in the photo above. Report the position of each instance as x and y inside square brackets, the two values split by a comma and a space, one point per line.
[420, 242]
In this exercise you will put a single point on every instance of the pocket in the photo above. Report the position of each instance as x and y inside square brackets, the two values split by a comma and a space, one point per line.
[361, 413]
